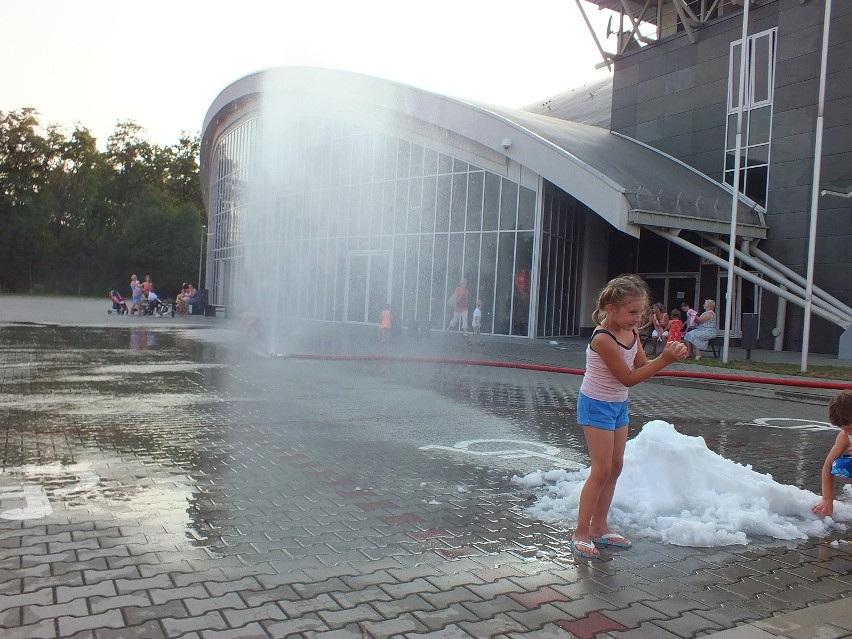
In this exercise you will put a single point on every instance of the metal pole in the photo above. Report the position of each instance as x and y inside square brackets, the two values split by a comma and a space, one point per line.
[200, 255]
[729, 296]
[806, 329]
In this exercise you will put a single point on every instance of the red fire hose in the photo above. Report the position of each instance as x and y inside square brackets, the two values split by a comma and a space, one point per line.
[751, 379]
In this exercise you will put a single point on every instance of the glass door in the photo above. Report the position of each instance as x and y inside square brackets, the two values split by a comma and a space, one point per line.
[368, 285]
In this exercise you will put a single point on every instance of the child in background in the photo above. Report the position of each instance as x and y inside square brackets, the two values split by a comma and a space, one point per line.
[661, 320]
[675, 327]
[837, 462]
[614, 362]
[385, 324]
[475, 337]
[689, 314]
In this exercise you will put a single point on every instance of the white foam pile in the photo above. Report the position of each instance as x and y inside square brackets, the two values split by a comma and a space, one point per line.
[676, 490]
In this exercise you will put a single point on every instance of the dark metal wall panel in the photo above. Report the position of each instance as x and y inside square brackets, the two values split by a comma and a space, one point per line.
[673, 95]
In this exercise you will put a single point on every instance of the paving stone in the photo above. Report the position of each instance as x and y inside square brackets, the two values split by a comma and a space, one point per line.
[489, 627]
[164, 595]
[249, 631]
[197, 607]
[162, 582]
[415, 586]
[281, 593]
[76, 608]
[102, 604]
[312, 589]
[728, 614]
[590, 625]
[137, 616]
[149, 630]
[42, 630]
[71, 625]
[688, 624]
[403, 624]
[41, 597]
[535, 619]
[209, 621]
[488, 608]
[303, 606]
[342, 617]
[240, 617]
[643, 631]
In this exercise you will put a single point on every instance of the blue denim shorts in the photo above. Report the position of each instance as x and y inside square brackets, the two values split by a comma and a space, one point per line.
[603, 415]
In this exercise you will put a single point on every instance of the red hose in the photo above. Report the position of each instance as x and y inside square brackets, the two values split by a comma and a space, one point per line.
[752, 379]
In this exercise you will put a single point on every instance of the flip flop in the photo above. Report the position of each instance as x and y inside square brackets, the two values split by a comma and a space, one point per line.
[584, 549]
[613, 539]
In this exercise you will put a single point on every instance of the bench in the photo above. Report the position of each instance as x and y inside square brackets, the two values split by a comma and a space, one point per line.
[214, 310]
[712, 345]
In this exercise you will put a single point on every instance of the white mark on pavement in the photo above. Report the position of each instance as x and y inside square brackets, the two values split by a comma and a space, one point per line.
[516, 449]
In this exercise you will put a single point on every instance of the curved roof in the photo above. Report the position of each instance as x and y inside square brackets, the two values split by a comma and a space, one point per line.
[626, 183]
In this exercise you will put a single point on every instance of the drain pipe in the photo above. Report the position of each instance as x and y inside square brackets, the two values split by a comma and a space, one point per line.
[767, 270]
[746, 275]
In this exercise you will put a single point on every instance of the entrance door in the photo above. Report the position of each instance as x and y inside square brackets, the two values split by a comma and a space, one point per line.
[672, 290]
[368, 285]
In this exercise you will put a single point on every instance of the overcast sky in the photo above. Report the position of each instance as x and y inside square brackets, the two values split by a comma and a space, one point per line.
[161, 64]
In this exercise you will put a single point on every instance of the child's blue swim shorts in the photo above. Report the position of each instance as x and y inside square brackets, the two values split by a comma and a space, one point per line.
[842, 467]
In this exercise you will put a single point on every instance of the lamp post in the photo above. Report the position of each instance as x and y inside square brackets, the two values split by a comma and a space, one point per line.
[201, 254]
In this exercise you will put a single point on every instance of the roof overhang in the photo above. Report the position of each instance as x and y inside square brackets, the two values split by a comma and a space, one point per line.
[626, 183]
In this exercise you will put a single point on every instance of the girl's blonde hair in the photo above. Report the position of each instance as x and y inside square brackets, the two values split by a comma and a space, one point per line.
[619, 291]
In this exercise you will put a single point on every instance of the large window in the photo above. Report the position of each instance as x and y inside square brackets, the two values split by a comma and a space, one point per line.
[757, 114]
[328, 220]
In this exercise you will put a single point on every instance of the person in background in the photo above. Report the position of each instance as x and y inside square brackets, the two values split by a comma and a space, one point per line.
[675, 327]
[698, 339]
[191, 298]
[660, 319]
[385, 324]
[614, 362]
[136, 295]
[180, 305]
[147, 286]
[476, 324]
[689, 315]
[460, 306]
[837, 463]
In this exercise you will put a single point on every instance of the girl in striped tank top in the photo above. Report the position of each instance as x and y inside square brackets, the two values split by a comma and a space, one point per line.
[614, 362]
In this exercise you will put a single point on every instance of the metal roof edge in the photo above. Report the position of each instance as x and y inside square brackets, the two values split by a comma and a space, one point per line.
[743, 199]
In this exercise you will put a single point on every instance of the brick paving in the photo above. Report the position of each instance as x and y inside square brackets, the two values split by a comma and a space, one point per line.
[160, 480]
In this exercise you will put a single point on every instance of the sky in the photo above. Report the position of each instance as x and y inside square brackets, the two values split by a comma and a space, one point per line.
[161, 64]
[724, 504]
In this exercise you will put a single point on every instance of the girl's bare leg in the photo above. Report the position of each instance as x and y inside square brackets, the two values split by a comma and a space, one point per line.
[598, 525]
[601, 445]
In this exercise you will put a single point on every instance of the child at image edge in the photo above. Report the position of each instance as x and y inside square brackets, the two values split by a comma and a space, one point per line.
[614, 362]
[839, 414]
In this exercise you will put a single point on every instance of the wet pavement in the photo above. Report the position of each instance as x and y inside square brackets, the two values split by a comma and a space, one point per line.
[166, 478]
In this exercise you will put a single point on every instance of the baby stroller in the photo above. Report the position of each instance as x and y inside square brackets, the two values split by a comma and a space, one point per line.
[154, 305]
[118, 303]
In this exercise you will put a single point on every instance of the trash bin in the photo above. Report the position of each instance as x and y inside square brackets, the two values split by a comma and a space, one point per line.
[750, 328]
[200, 307]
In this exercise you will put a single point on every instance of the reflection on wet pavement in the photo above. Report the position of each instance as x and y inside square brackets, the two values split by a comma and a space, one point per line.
[193, 451]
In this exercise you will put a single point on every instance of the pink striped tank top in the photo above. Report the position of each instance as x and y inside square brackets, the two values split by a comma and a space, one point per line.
[598, 382]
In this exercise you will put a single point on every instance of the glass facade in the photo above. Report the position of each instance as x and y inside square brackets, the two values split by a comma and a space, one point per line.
[351, 219]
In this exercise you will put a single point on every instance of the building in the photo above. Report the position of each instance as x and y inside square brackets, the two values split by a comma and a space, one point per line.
[354, 192]
[676, 67]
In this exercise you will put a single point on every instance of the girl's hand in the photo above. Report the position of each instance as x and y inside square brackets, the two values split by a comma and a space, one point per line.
[674, 351]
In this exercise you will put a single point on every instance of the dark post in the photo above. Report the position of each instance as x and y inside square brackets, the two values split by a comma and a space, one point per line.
[750, 326]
